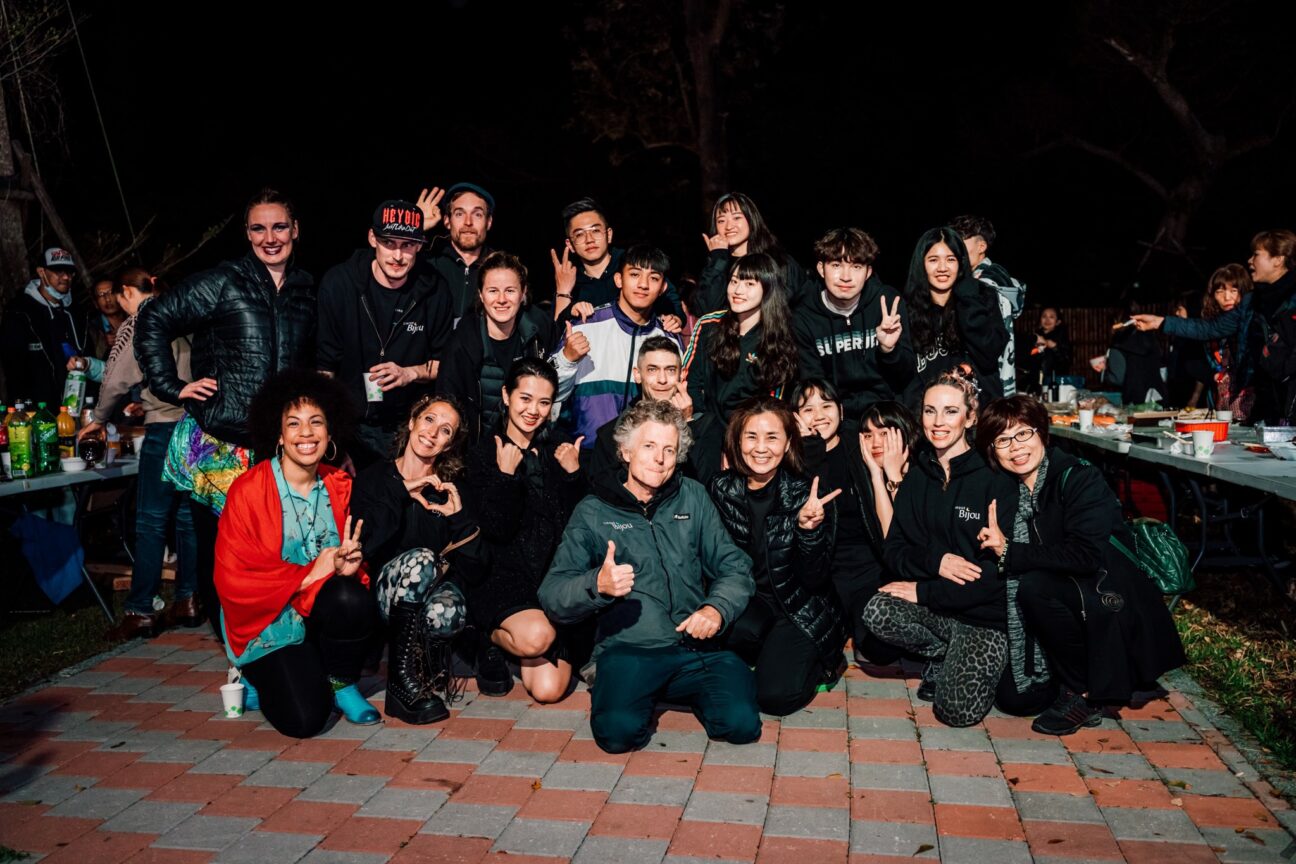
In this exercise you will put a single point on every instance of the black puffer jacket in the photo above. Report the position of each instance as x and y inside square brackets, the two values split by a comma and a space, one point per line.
[243, 330]
[798, 560]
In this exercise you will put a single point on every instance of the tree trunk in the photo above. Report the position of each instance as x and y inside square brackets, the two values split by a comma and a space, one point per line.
[13, 245]
[705, 24]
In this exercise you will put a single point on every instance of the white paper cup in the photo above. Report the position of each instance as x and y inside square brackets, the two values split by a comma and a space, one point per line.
[1203, 443]
[373, 390]
[232, 699]
[1086, 419]
[1224, 416]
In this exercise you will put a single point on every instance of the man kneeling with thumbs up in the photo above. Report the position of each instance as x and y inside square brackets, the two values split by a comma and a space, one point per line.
[648, 554]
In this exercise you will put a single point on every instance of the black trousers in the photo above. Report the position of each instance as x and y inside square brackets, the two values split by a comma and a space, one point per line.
[856, 576]
[788, 669]
[205, 523]
[294, 682]
[1051, 606]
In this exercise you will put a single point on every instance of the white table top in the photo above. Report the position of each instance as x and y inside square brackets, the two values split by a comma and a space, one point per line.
[123, 467]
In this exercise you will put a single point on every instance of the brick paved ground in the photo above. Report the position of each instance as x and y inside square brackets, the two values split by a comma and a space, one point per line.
[130, 761]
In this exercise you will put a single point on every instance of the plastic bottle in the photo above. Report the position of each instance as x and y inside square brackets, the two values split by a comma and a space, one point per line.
[20, 446]
[74, 391]
[4, 444]
[45, 440]
[67, 429]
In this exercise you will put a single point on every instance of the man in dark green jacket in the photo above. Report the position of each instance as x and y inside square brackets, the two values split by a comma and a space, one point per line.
[648, 554]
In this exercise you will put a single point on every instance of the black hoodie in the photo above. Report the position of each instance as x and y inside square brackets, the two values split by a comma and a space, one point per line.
[843, 349]
[983, 337]
[933, 517]
[351, 339]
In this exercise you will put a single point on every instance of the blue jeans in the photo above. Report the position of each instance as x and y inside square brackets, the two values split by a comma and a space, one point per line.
[156, 502]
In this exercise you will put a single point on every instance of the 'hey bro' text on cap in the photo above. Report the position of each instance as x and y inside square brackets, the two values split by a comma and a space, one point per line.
[398, 220]
[57, 258]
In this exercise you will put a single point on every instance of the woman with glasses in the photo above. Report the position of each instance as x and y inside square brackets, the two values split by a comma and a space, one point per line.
[1104, 628]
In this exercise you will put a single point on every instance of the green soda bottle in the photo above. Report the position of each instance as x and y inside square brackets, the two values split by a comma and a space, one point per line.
[20, 446]
[45, 440]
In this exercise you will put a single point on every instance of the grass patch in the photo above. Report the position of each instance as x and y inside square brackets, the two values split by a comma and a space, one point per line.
[1240, 650]
[7, 855]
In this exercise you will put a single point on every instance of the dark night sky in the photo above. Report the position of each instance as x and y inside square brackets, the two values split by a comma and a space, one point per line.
[894, 125]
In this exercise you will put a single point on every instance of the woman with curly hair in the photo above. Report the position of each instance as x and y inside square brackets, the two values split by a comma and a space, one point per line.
[414, 519]
[953, 318]
[744, 351]
[296, 611]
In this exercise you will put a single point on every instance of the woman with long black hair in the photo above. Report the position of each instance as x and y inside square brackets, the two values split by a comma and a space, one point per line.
[522, 484]
[744, 351]
[737, 230]
[953, 318]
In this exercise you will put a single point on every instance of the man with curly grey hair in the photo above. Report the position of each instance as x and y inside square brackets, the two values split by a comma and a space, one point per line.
[651, 559]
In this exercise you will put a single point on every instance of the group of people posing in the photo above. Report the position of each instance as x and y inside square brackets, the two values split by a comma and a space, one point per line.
[692, 494]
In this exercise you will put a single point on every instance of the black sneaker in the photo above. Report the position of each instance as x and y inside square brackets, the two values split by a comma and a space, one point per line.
[927, 687]
[1069, 713]
[493, 675]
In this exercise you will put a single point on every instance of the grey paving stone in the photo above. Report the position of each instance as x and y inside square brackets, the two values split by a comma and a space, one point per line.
[213, 663]
[1054, 807]
[470, 820]
[893, 838]
[949, 738]
[1032, 751]
[1115, 766]
[645, 789]
[1145, 824]
[1197, 781]
[332, 856]
[456, 750]
[596, 777]
[974, 850]
[408, 739]
[210, 833]
[807, 763]
[97, 730]
[583, 732]
[1160, 730]
[498, 709]
[890, 728]
[151, 817]
[517, 763]
[343, 789]
[21, 776]
[750, 755]
[341, 730]
[877, 688]
[258, 847]
[56, 720]
[1253, 844]
[287, 773]
[669, 741]
[815, 718]
[541, 837]
[127, 685]
[953, 789]
[98, 803]
[1058, 859]
[51, 790]
[727, 807]
[547, 718]
[204, 703]
[89, 678]
[596, 849]
[167, 694]
[233, 762]
[184, 658]
[815, 823]
[899, 778]
[149, 651]
[137, 741]
[404, 804]
[689, 859]
[191, 750]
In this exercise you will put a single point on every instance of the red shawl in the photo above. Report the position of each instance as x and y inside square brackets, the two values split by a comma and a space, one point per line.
[253, 581]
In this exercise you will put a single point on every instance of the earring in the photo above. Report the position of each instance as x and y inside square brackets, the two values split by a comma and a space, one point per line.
[279, 449]
[333, 444]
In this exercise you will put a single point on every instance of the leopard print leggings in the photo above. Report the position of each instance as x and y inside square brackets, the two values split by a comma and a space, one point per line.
[969, 660]
[413, 576]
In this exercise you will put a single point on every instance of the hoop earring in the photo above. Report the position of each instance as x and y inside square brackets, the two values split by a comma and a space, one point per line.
[279, 450]
[329, 458]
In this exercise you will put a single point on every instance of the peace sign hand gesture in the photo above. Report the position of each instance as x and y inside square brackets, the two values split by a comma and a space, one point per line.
[428, 201]
[990, 536]
[348, 557]
[811, 515]
[889, 328]
[564, 272]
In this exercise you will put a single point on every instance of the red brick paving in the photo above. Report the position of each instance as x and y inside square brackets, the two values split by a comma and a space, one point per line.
[101, 847]
[640, 821]
[1071, 840]
[971, 820]
[365, 834]
[256, 801]
[789, 850]
[716, 840]
[308, 817]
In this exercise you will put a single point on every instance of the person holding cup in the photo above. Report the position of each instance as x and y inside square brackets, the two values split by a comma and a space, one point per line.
[297, 615]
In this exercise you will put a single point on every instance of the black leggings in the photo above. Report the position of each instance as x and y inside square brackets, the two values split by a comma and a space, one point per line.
[205, 522]
[856, 576]
[1051, 606]
[294, 682]
[788, 669]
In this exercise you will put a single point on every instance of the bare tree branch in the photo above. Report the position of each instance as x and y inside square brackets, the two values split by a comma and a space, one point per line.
[1156, 186]
[173, 257]
[1205, 145]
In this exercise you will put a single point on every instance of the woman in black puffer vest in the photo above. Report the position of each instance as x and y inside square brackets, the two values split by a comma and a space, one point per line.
[792, 629]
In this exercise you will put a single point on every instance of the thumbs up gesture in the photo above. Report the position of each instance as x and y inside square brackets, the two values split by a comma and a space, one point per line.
[990, 536]
[575, 346]
[614, 580]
